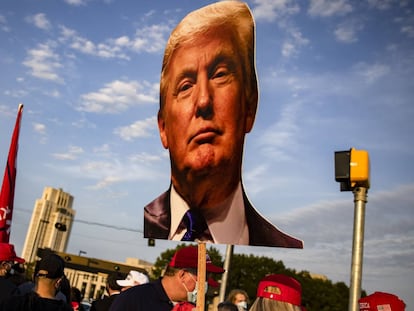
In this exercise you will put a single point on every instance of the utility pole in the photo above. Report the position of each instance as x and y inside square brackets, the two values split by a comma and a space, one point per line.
[352, 170]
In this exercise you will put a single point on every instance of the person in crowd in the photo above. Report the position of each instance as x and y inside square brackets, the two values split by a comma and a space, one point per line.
[76, 299]
[208, 102]
[17, 274]
[48, 275]
[239, 297]
[7, 259]
[178, 284]
[184, 306]
[113, 289]
[278, 292]
[133, 278]
[227, 306]
[381, 301]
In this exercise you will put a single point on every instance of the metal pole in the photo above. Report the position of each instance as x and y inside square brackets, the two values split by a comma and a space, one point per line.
[227, 260]
[360, 198]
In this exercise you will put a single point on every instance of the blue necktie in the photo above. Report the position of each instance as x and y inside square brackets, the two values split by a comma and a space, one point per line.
[196, 225]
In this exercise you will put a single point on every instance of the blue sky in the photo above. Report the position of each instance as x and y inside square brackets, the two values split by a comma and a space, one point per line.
[332, 75]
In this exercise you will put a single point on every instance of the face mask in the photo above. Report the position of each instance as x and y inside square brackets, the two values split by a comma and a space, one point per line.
[242, 305]
[192, 296]
[11, 272]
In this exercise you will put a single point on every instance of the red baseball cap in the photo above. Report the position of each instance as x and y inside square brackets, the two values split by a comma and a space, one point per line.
[290, 290]
[7, 253]
[187, 257]
[381, 301]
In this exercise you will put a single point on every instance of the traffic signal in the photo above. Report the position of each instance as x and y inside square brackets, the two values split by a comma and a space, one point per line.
[151, 242]
[352, 169]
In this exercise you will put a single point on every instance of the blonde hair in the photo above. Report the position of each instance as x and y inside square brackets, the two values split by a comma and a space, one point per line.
[235, 16]
[266, 304]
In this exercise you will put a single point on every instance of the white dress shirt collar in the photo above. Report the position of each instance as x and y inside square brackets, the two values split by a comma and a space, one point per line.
[229, 226]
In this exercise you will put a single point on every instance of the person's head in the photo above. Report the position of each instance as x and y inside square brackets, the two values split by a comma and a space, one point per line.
[111, 282]
[133, 278]
[278, 292]
[227, 306]
[208, 90]
[8, 258]
[75, 294]
[381, 301]
[49, 274]
[180, 277]
[239, 297]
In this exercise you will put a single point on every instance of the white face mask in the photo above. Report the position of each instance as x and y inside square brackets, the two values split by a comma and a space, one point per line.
[192, 296]
[242, 305]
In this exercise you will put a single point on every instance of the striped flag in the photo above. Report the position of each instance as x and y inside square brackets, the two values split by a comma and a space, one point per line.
[9, 179]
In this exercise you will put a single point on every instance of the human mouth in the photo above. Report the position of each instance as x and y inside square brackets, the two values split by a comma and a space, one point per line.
[205, 135]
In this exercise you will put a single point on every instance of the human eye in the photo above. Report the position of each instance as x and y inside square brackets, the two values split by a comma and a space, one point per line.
[221, 72]
[183, 87]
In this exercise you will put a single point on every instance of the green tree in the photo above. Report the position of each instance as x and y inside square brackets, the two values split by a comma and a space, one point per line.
[247, 270]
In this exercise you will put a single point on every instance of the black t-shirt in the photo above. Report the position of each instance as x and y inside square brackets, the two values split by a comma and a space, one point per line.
[145, 297]
[32, 302]
[7, 289]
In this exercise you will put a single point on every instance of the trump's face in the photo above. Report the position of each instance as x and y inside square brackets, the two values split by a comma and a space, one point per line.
[206, 113]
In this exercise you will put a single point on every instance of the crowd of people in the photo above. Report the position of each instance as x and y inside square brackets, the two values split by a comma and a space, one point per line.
[176, 290]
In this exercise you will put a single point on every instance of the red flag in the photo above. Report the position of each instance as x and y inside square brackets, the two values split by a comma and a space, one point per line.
[9, 179]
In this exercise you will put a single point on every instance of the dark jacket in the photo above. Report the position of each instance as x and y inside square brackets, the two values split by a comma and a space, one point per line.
[157, 219]
[32, 302]
[103, 304]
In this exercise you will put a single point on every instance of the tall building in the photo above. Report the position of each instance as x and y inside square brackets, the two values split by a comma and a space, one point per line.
[51, 223]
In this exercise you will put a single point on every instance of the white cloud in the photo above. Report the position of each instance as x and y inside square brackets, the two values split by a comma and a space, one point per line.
[269, 10]
[44, 63]
[408, 30]
[291, 46]
[3, 24]
[371, 72]
[141, 128]
[39, 128]
[111, 48]
[150, 39]
[347, 32]
[72, 154]
[76, 2]
[40, 21]
[118, 96]
[278, 141]
[381, 4]
[329, 7]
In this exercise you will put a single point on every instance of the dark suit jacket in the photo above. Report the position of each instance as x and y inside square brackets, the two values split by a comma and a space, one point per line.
[103, 304]
[157, 219]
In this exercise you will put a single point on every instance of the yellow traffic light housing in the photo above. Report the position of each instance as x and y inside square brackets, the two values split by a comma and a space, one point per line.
[352, 169]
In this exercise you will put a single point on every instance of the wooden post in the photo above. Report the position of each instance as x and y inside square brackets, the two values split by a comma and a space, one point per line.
[201, 276]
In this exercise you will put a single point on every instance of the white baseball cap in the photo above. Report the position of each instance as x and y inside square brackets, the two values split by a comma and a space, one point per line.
[133, 278]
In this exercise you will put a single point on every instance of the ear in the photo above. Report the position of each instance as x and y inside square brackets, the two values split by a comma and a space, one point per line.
[162, 130]
[58, 282]
[251, 108]
[181, 274]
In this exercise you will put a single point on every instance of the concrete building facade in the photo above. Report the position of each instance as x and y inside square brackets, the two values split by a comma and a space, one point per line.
[51, 223]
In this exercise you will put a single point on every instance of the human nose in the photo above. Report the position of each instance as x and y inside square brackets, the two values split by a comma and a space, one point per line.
[204, 107]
